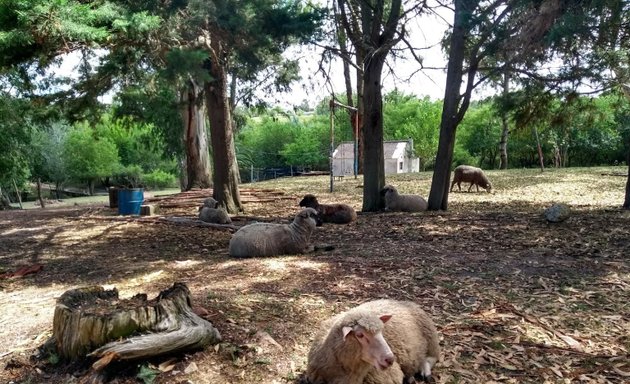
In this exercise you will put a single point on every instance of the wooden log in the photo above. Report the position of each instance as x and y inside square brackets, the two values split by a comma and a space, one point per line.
[199, 223]
[94, 322]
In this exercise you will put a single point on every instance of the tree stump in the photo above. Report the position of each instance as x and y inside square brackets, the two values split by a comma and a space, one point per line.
[94, 322]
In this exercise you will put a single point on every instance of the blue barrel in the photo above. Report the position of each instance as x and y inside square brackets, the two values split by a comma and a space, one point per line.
[130, 201]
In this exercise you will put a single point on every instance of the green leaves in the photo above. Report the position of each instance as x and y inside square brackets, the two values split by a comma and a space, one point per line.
[88, 157]
[406, 116]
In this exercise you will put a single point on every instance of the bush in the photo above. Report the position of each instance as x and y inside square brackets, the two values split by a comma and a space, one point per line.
[461, 156]
[159, 179]
[87, 158]
[128, 177]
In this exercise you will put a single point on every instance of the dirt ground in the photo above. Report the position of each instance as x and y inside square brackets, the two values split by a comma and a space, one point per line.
[515, 299]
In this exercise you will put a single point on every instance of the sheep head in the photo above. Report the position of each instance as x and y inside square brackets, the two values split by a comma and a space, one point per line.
[310, 214]
[309, 201]
[388, 189]
[373, 346]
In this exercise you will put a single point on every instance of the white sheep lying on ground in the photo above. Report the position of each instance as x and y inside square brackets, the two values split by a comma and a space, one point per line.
[406, 203]
[371, 343]
[267, 239]
[391, 375]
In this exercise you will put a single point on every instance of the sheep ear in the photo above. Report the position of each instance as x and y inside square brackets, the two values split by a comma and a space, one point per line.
[346, 331]
[385, 318]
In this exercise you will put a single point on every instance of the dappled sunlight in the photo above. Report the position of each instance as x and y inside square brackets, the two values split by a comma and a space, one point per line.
[511, 294]
[186, 264]
[291, 265]
[34, 313]
[20, 231]
[72, 236]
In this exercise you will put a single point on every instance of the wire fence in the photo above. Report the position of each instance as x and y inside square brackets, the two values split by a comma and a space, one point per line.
[253, 174]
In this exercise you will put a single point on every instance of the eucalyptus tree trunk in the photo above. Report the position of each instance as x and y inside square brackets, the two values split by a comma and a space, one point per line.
[541, 158]
[360, 57]
[374, 163]
[626, 203]
[452, 111]
[225, 175]
[505, 125]
[379, 34]
[197, 166]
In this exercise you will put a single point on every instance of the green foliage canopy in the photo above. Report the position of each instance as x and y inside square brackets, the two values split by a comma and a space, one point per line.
[88, 157]
[15, 137]
[406, 116]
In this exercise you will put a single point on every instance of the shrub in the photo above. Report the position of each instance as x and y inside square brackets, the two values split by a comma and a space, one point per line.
[87, 158]
[159, 179]
[461, 156]
[129, 176]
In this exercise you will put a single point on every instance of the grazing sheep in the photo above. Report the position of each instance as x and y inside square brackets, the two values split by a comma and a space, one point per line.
[405, 203]
[214, 215]
[472, 175]
[363, 345]
[210, 203]
[267, 239]
[330, 213]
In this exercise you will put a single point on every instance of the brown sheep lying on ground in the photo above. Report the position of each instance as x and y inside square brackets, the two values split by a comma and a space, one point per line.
[330, 213]
[472, 175]
[371, 343]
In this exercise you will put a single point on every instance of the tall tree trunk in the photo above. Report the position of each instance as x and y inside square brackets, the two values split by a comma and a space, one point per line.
[39, 193]
[225, 176]
[373, 161]
[452, 112]
[540, 152]
[505, 124]
[360, 57]
[197, 165]
[626, 203]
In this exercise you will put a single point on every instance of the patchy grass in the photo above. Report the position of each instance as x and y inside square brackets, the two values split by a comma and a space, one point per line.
[515, 299]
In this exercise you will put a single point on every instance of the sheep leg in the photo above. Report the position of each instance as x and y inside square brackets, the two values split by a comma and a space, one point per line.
[452, 185]
[425, 373]
[471, 185]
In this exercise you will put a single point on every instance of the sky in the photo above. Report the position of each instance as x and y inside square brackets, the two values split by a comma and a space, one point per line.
[425, 32]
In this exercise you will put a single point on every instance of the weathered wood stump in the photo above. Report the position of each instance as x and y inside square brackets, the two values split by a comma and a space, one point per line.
[94, 322]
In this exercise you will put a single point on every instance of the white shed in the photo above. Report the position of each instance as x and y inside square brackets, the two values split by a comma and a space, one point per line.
[398, 156]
